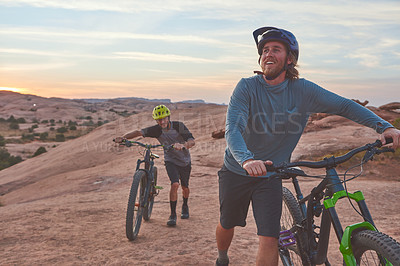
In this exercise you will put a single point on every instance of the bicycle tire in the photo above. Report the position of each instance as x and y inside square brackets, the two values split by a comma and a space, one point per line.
[368, 244]
[291, 216]
[149, 209]
[136, 197]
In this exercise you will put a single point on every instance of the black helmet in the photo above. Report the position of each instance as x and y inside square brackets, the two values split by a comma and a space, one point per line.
[265, 34]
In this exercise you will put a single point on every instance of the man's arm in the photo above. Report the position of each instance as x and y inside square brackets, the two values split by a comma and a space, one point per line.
[133, 134]
[129, 135]
[188, 144]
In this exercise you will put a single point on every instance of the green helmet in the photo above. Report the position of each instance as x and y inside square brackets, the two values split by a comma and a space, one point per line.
[160, 111]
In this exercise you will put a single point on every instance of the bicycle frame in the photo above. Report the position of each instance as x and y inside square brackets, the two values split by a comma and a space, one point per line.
[330, 190]
[148, 168]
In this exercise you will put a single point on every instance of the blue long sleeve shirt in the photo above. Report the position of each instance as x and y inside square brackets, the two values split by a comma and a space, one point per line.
[265, 122]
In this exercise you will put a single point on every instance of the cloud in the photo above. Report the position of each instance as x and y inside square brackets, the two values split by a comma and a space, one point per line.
[33, 67]
[51, 34]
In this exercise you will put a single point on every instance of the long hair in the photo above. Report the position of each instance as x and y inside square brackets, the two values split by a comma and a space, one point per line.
[291, 72]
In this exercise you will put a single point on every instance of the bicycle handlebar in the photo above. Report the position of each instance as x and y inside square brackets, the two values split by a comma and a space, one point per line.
[129, 143]
[333, 161]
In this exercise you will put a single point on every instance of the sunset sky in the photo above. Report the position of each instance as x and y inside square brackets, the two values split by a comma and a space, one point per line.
[186, 50]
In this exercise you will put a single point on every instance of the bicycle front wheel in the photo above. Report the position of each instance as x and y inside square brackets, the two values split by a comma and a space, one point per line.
[153, 192]
[291, 219]
[135, 204]
[375, 248]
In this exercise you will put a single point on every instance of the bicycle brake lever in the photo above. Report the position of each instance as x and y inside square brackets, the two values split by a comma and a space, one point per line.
[369, 155]
[169, 147]
[294, 172]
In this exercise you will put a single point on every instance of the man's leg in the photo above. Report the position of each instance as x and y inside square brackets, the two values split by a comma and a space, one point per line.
[184, 173]
[173, 198]
[224, 238]
[185, 207]
[267, 251]
[173, 192]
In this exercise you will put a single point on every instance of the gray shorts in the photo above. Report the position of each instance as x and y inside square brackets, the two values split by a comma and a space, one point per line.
[236, 192]
[176, 173]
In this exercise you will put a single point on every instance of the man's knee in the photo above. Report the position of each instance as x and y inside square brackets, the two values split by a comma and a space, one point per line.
[268, 241]
[175, 186]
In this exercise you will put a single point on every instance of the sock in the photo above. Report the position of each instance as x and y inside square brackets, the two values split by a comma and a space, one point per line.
[173, 207]
[223, 256]
[185, 200]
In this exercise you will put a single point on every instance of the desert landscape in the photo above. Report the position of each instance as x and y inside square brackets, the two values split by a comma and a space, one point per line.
[67, 206]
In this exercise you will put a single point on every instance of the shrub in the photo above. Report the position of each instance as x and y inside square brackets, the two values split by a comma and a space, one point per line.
[62, 129]
[396, 123]
[39, 151]
[72, 123]
[28, 137]
[2, 141]
[7, 160]
[72, 128]
[43, 136]
[11, 119]
[60, 137]
[14, 125]
[21, 120]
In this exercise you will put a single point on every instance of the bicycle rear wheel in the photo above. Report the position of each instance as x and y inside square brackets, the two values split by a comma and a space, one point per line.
[153, 192]
[291, 217]
[375, 248]
[135, 204]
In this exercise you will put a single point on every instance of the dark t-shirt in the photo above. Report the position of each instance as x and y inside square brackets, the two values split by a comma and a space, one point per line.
[178, 133]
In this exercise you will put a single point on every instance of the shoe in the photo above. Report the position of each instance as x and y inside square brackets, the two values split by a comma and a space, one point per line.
[185, 212]
[172, 220]
[217, 263]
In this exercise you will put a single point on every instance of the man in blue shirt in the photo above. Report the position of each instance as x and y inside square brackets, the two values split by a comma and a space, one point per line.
[266, 116]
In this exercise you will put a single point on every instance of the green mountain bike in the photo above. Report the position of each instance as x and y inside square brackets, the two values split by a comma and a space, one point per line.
[143, 190]
[303, 242]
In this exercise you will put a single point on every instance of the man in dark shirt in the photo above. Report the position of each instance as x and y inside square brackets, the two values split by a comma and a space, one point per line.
[177, 160]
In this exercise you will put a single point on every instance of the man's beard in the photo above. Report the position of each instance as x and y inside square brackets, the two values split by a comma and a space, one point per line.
[273, 73]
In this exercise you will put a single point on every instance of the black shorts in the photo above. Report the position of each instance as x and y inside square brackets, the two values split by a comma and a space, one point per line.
[177, 173]
[236, 192]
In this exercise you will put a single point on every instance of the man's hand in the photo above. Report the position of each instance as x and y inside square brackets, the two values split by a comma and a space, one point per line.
[179, 146]
[119, 139]
[256, 167]
[391, 133]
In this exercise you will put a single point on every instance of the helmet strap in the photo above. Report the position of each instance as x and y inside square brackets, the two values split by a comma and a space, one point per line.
[169, 123]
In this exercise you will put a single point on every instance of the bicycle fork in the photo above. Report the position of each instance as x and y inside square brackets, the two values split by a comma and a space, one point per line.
[344, 237]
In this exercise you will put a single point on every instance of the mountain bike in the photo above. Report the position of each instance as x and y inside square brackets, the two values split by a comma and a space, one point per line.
[143, 190]
[303, 241]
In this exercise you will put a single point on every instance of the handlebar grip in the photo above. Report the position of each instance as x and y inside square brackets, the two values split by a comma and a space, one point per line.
[388, 140]
[270, 168]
